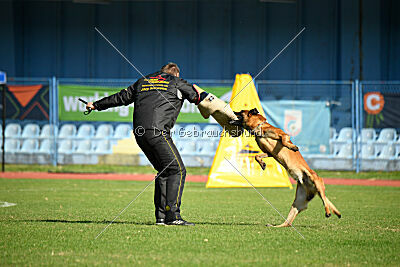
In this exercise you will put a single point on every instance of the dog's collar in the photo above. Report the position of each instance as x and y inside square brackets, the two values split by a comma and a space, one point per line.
[257, 129]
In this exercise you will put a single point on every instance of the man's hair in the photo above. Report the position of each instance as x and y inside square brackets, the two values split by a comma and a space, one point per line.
[171, 68]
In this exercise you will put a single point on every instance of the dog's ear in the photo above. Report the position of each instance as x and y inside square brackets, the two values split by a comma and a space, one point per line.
[254, 111]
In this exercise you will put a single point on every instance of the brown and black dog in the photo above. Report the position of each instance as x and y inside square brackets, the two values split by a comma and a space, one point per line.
[276, 143]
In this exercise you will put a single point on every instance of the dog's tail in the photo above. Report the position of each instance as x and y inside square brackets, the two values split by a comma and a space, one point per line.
[320, 185]
[334, 209]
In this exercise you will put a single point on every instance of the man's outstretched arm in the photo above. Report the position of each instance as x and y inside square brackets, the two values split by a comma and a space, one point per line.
[122, 98]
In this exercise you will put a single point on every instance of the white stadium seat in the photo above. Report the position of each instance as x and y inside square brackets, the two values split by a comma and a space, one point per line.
[13, 130]
[85, 131]
[67, 131]
[31, 130]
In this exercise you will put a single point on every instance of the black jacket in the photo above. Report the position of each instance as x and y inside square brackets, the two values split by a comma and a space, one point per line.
[157, 100]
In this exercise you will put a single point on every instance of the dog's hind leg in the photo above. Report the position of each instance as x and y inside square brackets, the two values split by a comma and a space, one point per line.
[299, 204]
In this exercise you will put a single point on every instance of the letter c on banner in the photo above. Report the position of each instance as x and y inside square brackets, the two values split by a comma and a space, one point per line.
[373, 102]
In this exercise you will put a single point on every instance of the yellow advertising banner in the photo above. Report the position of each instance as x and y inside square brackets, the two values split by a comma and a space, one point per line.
[240, 151]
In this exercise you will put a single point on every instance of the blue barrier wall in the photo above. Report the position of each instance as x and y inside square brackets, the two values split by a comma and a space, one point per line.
[209, 39]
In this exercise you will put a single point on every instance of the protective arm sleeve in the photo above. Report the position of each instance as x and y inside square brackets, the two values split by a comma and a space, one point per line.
[124, 97]
[220, 111]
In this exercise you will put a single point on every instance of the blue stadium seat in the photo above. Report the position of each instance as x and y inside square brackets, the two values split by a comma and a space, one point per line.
[104, 131]
[66, 147]
[85, 131]
[367, 135]
[192, 131]
[30, 146]
[346, 151]
[206, 148]
[345, 135]
[31, 130]
[368, 151]
[47, 131]
[212, 131]
[387, 135]
[397, 144]
[84, 147]
[12, 145]
[83, 153]
[13, 130]
[187, 147]
[388, 152]
[67, 131]
[177, 132]
[103, 147]
[122, 131]
[47, 146]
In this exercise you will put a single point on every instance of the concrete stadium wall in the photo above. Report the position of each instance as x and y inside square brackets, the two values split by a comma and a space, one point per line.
[209, 39]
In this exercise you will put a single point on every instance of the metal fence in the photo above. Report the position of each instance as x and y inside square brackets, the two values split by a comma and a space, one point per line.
[345, 100]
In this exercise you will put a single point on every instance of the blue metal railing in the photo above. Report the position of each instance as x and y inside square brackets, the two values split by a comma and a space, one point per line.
[355, 97]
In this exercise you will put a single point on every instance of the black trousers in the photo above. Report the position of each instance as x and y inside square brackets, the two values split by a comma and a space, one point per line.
[165, 158]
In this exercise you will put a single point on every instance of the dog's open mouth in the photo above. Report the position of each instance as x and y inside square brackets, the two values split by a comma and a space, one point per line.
[236, 122]
[239, 121]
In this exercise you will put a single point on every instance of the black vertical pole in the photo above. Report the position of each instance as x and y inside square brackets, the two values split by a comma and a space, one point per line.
[4, 129]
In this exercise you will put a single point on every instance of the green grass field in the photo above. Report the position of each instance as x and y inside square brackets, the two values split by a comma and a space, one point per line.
[55, 223]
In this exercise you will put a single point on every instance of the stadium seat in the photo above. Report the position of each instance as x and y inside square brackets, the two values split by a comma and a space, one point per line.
[187, 147]
[212, 131]
[66, 147]
[47, 146]
[30, 146]
[85, 131]
[31, 130]
[388, 152]
[103, 147]
[47, 131]
[332, 133]
[83, 153]
[84, 147]
[368, 151]
[192, 131]
[13, 130]
[12, 145]
[122, 131]
[177, 132]
[345, 135]
[367, 134]
[67, 131]
[205, 148]
[346, 151]
[397, 144]
[387, 135]
[104, 131]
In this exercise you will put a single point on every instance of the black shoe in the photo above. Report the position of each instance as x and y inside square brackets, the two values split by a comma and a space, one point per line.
[160, 222]
[179, 222]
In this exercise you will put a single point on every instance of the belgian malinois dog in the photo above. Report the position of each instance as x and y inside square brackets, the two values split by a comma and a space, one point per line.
[276, 143]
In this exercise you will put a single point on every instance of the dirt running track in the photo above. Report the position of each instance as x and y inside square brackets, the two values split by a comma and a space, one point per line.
[190, 178]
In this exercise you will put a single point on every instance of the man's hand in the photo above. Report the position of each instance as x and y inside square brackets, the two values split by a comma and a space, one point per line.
[198, 89]
[90, 106]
